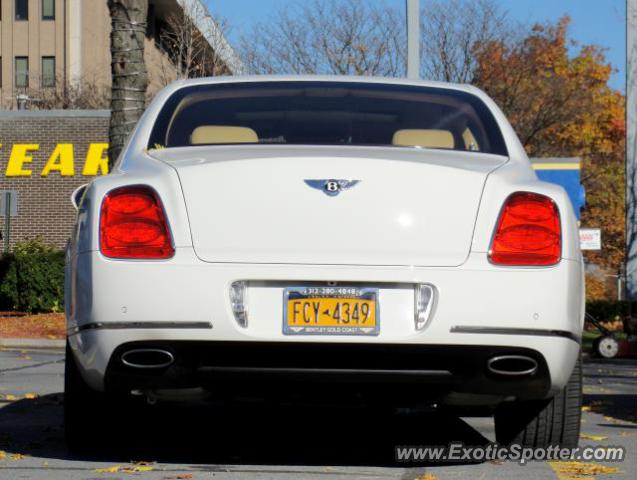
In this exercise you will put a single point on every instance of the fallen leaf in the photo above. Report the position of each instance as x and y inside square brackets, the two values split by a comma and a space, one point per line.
[588, 436]
[10, 398]
[137, 469]
[3, 454]
[113, 469]
[427, 476]
[18, 456]
[30, 396]
[581, 469]
[586, 408]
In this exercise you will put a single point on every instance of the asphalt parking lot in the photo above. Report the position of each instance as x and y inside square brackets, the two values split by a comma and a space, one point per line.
[266, 441]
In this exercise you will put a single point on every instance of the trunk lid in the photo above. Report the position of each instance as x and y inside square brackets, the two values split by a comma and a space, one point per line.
[251, 204]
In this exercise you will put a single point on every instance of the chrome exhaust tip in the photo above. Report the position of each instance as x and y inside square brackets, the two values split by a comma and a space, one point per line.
[147, 358]
[512, 365]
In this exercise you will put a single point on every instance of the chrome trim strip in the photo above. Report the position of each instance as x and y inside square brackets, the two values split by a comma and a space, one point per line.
[517, 331]
[140, 325]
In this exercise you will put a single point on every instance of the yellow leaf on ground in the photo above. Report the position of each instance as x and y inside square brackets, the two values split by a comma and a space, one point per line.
[588, 436]
[18, 456]
[580, 469]
[137, 469]
[30, 396]
[427, 476]
[10, 398]
[113, 469]
[3, 454]
[586, 408]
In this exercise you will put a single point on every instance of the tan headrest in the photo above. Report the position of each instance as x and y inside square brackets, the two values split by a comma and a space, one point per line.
[427, 138]
[207, 134]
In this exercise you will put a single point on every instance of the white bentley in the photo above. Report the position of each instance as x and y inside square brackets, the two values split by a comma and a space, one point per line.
[383, 239]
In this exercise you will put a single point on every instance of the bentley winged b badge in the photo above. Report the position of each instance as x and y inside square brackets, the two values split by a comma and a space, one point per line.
[331, 187]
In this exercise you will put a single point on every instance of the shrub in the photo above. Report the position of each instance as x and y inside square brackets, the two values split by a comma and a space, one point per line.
[7, 282]
[608, 311]
[32, 278]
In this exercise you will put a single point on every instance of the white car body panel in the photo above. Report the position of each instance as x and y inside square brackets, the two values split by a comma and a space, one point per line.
[420, 217]
[229, 201]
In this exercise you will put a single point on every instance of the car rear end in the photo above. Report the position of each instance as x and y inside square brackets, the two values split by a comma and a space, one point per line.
[409, 250]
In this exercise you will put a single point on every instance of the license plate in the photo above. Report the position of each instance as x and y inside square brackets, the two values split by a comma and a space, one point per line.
[330, 311]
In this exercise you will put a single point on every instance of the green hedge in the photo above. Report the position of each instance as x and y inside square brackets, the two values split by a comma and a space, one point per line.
[608, 311]
[32, 278]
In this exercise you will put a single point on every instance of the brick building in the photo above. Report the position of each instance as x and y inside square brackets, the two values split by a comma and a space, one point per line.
[47, 46]
[43, 195]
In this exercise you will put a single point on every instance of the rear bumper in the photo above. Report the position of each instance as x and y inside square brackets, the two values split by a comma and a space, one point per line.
[114, 303]
[272, 368]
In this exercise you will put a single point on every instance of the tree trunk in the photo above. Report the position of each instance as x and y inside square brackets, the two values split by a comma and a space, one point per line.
[129, 76]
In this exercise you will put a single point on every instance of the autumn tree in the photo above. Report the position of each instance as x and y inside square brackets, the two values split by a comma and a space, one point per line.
[561, 105]
[128, 70]
[450, 32]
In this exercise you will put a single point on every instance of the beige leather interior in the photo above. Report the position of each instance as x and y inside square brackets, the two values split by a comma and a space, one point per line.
[207, 134]
[428, 138]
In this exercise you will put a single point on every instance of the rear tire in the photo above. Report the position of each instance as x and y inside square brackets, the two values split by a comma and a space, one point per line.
[85, 409]
[545, 422]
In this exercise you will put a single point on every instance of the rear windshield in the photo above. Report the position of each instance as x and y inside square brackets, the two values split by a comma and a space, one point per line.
[327, 113]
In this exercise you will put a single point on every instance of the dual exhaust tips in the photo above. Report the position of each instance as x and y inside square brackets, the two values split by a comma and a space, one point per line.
[503, 365]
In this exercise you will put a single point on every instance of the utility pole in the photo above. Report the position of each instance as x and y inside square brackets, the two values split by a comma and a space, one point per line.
[413, 39]
[631, 151]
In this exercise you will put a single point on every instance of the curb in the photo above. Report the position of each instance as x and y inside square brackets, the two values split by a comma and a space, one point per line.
[31, 343]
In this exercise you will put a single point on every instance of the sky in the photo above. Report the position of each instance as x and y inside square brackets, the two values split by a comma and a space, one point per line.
[599, 22]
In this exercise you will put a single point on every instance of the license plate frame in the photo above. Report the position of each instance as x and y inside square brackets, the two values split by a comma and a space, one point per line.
[364, 294]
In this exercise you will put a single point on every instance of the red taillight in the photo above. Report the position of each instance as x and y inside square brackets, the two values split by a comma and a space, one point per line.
[528, 232]
[133, 225]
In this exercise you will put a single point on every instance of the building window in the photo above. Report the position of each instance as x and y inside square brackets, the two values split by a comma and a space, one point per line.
[21, 72]
[21, 9]
[48, 71]
[48, 9]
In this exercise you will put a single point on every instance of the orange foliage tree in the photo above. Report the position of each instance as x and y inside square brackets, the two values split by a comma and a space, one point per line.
[560, 104]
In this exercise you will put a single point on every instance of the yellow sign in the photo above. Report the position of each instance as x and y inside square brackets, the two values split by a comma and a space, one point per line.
[62, 160]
